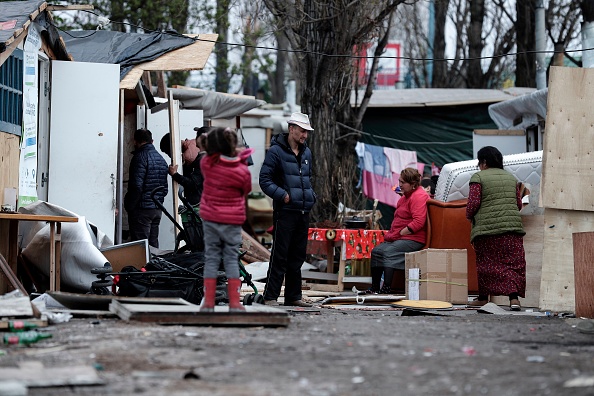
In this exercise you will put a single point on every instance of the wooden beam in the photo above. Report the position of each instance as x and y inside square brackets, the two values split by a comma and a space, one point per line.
[146, 77]
[73, 7]
[161, 85]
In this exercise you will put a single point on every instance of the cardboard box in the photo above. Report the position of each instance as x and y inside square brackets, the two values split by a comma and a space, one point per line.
[437, 274]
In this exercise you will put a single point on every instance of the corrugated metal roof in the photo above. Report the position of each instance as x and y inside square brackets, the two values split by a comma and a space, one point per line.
[426, 97]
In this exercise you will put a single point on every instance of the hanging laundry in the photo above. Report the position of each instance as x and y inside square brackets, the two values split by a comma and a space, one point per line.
[400, 159]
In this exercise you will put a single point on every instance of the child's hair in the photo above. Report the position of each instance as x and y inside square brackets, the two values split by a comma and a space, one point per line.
[221, 141]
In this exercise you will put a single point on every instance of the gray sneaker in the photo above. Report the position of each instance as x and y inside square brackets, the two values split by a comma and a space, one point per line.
[271, 303]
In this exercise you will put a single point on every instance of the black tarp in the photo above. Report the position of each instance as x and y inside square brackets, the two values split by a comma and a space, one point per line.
[125, 49]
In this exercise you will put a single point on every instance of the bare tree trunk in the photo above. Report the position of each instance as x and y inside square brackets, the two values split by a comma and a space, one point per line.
[475, 44]
[526, 41]
[221, 51]
[587, 7]
[326, 32]
[277, 79]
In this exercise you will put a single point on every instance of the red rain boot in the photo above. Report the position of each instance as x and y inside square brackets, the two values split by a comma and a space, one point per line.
[210, 289]
[233, 288]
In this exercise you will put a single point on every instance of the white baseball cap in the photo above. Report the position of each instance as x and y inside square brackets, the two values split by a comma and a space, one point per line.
[301, 120]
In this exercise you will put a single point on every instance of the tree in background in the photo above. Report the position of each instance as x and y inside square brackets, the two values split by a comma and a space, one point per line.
[526, 42]
[479, 28]
[563, 27]
[324, 36]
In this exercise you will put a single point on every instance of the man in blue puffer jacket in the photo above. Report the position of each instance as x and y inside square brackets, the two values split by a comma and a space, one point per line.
[148, 170]
[286, 178]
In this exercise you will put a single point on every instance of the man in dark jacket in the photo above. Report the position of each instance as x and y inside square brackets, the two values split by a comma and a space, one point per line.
[148, 170]
[286, 178]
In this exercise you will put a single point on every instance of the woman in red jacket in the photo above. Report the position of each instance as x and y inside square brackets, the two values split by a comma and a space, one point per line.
[227, 182]
[408, 232]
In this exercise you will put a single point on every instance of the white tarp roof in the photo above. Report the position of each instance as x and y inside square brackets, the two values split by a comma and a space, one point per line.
[215, 105]
[529, 107]
[425, 97]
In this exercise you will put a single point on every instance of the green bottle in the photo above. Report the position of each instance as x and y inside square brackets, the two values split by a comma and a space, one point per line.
[24, 338]
[20, 325]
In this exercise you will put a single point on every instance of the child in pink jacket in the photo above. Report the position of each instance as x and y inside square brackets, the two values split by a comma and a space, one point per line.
[227, 181]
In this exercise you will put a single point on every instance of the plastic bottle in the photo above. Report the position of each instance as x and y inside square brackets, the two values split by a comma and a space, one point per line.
[20, 325]
[24, 338]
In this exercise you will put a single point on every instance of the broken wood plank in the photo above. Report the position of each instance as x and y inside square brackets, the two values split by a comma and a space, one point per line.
[79, 301]
[254, 315]
[37, 322]
[34, 374]
[17, 307]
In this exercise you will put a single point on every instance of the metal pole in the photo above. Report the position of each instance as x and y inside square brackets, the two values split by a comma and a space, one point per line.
[541, 68]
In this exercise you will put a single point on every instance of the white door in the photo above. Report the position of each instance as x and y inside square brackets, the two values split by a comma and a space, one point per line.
[84, 140]
[43, 128]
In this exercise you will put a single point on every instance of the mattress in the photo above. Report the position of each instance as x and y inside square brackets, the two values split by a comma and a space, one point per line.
[454, 177]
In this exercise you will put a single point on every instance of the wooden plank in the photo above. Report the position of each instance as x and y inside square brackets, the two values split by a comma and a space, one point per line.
[73, 7]
[305, 274]
[254, 315]
[34, 374]
[97, 302]
[325, 288]
[134, 253]
[16, 307]
[190, 57]
[557, 287]
[499, 132]
[567, 161]
[583, 258]
[533, 248]
[37, 322]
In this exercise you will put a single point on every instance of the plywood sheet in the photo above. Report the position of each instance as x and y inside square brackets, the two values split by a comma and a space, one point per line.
[190, 57]
[557, 287]
[568, 158]
[533, 245]
[9, 161]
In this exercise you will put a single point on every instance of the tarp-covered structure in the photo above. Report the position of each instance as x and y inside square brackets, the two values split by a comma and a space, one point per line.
[125, 49]
[436, 123]
[15, 17]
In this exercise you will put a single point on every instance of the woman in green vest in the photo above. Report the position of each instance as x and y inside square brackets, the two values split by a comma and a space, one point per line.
[493, 208]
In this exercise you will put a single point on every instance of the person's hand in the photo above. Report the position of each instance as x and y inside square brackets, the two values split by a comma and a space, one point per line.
[404, 231]
[287, 198]
[172, 169]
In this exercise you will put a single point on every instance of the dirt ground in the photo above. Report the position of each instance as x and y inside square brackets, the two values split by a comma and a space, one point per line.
[334, 352]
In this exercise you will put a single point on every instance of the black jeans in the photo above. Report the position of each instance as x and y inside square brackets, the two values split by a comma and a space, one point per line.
[144, 224]
[288, 254]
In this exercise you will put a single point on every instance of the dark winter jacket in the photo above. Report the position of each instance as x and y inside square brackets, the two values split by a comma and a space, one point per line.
[193, 183]
[148, 170]
[284, 172]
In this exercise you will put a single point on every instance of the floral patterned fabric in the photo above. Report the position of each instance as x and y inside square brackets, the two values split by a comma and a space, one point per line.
[357, 244]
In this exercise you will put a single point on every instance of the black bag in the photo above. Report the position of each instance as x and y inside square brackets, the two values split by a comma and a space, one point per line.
[178, 276]
[250, 160]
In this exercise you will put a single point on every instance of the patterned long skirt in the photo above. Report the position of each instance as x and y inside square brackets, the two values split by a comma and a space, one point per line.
[500, 264]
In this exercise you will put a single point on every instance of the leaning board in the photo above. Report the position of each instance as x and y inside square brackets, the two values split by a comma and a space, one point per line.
[569, 138]
[254, 315]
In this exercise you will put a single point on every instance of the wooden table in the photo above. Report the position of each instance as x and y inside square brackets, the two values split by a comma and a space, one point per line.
[354, 244]
[9, 227]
